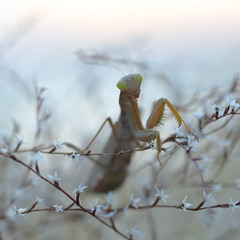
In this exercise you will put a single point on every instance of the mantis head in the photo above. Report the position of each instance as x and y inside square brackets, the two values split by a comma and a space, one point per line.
[130, 84]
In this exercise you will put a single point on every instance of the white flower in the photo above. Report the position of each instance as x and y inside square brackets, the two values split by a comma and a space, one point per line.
[35, 158]
[161, 195]
[79, 189]
[233, 205]
[133, 231]
[58, 208]
[19, 140]
[191, 138]
[152, 145]
[232, 103]
[18, 211]
[134, 201]
[74, 156]
[216, 109]
[192, 142]
[110, 214]
[54, 177]
[96, 208]
[58, 144]
[238, 183]
[38, 199]
[184, 205]
[208, 198]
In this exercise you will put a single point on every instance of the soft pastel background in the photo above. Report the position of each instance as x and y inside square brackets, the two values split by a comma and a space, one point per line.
[193, 44]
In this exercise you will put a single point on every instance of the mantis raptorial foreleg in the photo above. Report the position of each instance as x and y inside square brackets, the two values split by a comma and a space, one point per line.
[155, 119]
[158, 113]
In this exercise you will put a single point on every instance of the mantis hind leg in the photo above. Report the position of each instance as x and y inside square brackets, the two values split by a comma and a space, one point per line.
[111, 170]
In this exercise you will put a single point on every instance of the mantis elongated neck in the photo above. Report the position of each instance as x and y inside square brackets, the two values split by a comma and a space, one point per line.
[129, 108]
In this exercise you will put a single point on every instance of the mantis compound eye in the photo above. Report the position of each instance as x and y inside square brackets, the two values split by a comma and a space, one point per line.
[122, 85]
[138, 78]
[130, 82]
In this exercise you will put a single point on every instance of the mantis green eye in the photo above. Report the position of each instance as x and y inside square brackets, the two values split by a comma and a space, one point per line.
[122, 85]
[138, 78]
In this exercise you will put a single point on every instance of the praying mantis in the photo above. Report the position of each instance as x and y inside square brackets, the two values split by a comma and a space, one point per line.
[127, 133]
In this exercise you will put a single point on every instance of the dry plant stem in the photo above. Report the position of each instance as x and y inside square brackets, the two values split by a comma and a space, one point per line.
[171, 138]
[223, 125]
[57, 186]
[199, 207]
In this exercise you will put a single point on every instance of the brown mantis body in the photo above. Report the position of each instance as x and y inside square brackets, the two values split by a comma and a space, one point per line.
[127, 132]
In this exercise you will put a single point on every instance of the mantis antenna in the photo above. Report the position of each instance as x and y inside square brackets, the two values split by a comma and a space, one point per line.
[134, 63]
[115, 67]
[137, 58]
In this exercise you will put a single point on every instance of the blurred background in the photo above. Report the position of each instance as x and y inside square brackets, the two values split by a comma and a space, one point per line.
[191, 43]
[78, 50]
